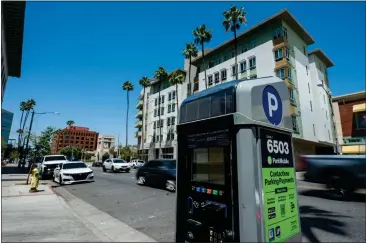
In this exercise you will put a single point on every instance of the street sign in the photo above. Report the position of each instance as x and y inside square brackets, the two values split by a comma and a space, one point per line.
[272, 105]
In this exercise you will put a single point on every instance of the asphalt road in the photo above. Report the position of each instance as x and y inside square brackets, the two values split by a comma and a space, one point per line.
[152, 210]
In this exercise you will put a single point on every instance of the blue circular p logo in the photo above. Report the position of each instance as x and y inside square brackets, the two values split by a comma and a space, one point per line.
[272, 105]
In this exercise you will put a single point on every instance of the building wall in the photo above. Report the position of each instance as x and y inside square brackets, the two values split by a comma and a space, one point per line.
[6, 122]
[348, 120]
[338, 123]
[104, 144]
[4, 64]
[77, 137]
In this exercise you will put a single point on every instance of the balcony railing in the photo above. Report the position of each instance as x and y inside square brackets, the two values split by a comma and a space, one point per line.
[139, 104]
[138, 124]
[354, 141]
[139, 114]
[138, 134]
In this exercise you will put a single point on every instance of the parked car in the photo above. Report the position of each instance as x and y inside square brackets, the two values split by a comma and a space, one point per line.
[342, 174]
[49, 164]
[160, 172]
[71, 172]
[116, 165]
[137, 163]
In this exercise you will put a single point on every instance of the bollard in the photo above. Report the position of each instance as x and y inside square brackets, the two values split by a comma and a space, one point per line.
[34, 180]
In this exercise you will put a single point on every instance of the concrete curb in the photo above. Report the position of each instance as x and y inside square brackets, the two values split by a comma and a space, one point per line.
[103, 225]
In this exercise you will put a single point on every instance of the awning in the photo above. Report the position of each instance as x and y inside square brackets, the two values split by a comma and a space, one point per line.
[359, 108]
[354, 149]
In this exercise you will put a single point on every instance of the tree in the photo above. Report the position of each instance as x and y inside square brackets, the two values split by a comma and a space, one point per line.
[70, 123]
[4, 146]
[45, 140]
[144, 82]
[105, 156]
[202, 36]
[176, 78]
[233, 18]
[127, 86]
[188, 53]
[70, 150]
[162, 76]
[14, 155]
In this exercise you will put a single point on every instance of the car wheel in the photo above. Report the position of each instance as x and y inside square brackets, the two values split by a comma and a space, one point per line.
[112, 169]
[170, 185]
[128, 170]
[141, 180]
[104, 169]
[53, 178]
[60, 180]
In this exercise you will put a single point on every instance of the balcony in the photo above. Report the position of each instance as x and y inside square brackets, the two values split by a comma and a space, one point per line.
[280, 42]
[138, 134]
[138, 124]
[354, 141]
[139, 104]
[139, 114]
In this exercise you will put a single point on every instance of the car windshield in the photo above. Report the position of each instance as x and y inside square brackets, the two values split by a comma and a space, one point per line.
[54, 158]
[74, 166]
[119, 161]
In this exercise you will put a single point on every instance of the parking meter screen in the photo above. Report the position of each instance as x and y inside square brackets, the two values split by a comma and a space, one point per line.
[208, 165]
[281, 216]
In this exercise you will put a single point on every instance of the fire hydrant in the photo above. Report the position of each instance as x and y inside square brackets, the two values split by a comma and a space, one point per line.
[34, 180]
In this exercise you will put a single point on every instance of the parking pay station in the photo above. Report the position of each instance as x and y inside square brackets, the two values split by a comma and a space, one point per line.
[235, 173]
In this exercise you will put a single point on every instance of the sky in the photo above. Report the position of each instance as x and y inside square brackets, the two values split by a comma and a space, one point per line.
[76, 55]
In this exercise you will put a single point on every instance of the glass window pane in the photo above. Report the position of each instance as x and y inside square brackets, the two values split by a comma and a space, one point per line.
[204, 108]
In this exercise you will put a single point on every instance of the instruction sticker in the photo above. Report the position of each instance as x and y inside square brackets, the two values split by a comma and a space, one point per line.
[281, 214]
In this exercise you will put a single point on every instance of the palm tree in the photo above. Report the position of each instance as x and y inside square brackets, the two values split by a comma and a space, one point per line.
[127, 86]
[176, 78]
[202, 36]
[162, 76]
[20, 134]
[25, 106]
[70, 123]
[189, 52]
[144, 82]
[233, 18]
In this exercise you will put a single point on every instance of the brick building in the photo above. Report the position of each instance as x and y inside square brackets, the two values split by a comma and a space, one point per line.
[350, 116]
[77, 137]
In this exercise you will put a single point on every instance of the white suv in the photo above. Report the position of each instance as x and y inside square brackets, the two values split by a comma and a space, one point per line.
[116, 165]
[137, 163]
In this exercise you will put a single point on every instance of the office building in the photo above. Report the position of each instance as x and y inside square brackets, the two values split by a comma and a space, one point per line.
[75, 136]
[350, 117]
[105, 143]
[278, 46]
[12, 28]
[6, 122]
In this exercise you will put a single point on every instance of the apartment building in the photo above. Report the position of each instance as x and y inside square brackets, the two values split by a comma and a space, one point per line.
[105, 143]
[75, 136]
[148, 113]
[279, 46]
[350, 116]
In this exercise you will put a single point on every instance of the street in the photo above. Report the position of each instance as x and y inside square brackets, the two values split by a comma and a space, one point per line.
[152, 210]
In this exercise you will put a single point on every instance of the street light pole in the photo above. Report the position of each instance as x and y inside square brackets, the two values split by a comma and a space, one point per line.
[333, 118]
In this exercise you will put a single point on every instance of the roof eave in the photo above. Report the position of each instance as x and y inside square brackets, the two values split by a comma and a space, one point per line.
[324, 58]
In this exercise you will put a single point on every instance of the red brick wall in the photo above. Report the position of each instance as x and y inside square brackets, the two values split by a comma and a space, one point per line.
[348, 119]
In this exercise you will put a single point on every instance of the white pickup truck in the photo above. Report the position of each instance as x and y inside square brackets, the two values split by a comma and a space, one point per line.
[49, 163]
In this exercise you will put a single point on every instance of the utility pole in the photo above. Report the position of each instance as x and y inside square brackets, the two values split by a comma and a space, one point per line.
[118, 146]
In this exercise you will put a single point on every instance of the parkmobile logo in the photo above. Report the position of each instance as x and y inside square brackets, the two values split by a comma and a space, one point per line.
[280, 161]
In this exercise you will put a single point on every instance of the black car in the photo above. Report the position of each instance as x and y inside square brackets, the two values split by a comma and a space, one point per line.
[161, 172]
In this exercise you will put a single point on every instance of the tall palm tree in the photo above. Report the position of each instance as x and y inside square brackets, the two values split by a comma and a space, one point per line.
[176, 78]
[26, 108]
[144, 82]
[70, 123]
[162, 76]
[189, 52]
[233, 18]
[127, 86]
[20, 133]
[202, 36]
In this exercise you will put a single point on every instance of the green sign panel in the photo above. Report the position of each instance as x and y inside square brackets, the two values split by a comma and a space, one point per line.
[281, 213]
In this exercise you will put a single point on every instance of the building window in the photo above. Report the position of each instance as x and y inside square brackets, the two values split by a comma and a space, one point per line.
[173, 95]
[155, 113]
[253, 77]
[217, 77]
[209, 79]
[169, 96]
[234, 70]
[306, 70]
[173, 120]
[156, 102]
[252, 63]
[173, 107]
[225, 57]
[309, 87]
[162, 99]
[217, 60]
[294, 124]
[276, 34]
[287, 53]
[211, 64]
[278, 54]
[244, 48]
[314, 129]
[280, 73]
[233, 53]
[169, 108]
[284, 32]
[168, 122]
[161, 111]
[360, 120]
[243, 66]
[311, 106]
[154, 124]
[289, 73]
[304, 50]
[223, 74]
[254, 43]
[292, 96]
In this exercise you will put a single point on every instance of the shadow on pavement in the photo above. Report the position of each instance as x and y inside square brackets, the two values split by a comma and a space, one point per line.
[324, 194]
[314, 218]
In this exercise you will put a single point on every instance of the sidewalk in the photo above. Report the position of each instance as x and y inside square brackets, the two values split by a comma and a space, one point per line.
[47, 217]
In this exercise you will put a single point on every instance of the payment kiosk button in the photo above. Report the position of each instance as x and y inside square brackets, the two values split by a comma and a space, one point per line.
[190, 235]
[211, 232]
[209, 191]
[210, 238]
